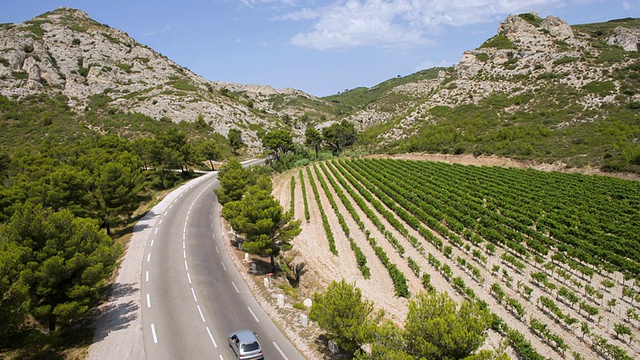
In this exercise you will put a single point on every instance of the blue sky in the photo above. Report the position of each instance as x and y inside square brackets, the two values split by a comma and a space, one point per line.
[319, 46]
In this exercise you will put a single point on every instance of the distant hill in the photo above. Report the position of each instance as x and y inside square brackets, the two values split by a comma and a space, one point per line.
[91, 67]
[539, 90]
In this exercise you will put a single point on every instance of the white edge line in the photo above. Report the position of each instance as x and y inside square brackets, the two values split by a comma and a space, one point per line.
[253, 314]
[235, 287]
[153, 331]
[212, 339]
[201, 315]
[280, 351]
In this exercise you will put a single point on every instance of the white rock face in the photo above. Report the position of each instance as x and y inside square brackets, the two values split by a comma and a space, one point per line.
[557, 27]
[624, 38]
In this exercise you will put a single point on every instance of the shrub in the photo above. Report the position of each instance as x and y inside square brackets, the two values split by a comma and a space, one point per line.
[498, 42]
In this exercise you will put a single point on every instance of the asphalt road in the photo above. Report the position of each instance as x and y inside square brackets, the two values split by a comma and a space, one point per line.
[191, 294]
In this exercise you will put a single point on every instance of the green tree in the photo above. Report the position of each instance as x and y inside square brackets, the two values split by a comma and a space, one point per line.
[209, 151]
[339, 135]
[5, 160]
[234, 180]
[435, 328]
[278, 140]
[235, 140]
[348, 319]
[14, 294]
[116, 187]
[64, 262]
[267, 227]
[313, 138]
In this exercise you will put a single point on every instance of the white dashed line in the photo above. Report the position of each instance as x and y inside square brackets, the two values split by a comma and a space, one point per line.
[148, 301]
[152, 241]
[147, 277]
[212, 339]
[153, 331]
[201, 315]
[217, 250]
[185, 265]
[184, 254]
[194, 295]
[160, 221]
[156, 231]
[148, 257]
[235, 287]
[280, 351]
[189, 277]
[253, 314]
[224, 266]
[184, 244]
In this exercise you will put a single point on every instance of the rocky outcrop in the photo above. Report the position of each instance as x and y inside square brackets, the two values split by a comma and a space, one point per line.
[624, 38]
[557, 27]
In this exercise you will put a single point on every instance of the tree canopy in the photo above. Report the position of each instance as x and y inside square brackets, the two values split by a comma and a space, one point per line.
[56, 264]
[339, 135]
[278, 140]
[345, 315]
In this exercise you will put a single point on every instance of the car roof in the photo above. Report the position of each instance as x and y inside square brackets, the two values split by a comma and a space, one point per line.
[245, 336]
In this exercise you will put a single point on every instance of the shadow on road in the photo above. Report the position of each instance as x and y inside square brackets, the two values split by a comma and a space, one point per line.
[115, 315]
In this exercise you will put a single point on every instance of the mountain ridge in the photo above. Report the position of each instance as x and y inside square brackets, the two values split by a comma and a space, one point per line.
[540, 89]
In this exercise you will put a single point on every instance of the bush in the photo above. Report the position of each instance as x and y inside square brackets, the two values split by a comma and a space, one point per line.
[498, 42]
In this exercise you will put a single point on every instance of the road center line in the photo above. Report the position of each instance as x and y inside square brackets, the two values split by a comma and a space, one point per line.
[211, 337]
[224, 266]
[194, 295]
[280, 351]
[184, 244]
[217, 250]
[235, 287]
[147, 277]
[148, 257]
[189, 277]
[185, 265]
[201, 315]
[253, 314]
[184, 254]
[153, 331]
[152, 241]
[156, 231]
[160, 221]
[148, 301]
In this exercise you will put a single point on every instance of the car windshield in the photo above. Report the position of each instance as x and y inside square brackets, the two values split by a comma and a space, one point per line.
[251, 346]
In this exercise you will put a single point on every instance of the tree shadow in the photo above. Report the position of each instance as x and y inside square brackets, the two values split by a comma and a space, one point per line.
[297, 271]
[114, 316]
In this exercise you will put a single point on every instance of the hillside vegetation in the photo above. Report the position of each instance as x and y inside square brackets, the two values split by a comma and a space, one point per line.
[539, 90]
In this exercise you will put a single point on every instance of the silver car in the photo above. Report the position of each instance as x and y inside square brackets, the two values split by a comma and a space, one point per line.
[245, 345]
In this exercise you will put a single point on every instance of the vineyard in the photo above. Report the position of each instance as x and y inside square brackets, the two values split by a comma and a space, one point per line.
[554, 256]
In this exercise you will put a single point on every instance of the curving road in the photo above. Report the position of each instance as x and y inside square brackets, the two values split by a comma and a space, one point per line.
[191, 295]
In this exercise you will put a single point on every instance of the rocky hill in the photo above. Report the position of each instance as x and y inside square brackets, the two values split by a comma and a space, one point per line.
[66, 52]
[540, 89]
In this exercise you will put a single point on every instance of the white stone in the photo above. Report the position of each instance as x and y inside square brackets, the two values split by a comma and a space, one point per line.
[304, 320]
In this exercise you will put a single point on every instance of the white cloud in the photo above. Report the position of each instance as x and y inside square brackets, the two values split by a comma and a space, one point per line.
[627, 6]
[164, 29]
[396, 23]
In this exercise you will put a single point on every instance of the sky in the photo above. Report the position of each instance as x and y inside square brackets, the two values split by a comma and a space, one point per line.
[321, 47]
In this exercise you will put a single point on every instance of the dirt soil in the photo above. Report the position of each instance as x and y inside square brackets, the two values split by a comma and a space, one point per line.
[320, 267]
